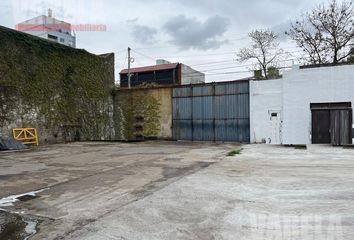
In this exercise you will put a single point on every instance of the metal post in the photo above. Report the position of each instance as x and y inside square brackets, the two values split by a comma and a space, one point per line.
[128, 67]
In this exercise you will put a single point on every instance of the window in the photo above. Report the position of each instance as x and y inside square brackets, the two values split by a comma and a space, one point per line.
[62, 40]
[51, 37]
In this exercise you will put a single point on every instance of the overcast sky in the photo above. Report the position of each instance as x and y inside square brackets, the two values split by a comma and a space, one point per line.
[194, 32]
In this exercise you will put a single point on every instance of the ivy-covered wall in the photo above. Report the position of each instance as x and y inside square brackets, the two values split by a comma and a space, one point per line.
[153, 105]
[63, 92]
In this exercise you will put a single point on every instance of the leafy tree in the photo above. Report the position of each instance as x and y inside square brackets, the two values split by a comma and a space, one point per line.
[325, 33]
[265, 49]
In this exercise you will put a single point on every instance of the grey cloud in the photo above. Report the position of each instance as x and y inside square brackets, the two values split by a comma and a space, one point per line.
[189, 33]
[144, 34]
[246, 15]
[141, 33]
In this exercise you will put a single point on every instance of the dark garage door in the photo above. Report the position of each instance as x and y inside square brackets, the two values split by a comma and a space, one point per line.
[321, 127]
[331, 123]
[212, 112]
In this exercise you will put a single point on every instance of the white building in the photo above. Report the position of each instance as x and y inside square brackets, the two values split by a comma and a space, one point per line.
[49, 28]
[308, 105]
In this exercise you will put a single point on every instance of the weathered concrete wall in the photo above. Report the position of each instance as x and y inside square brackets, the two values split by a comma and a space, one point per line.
[265, 99]
[61, 91]
[153, 104]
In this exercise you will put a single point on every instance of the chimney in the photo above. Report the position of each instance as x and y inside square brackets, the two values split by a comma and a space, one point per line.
[50, 13]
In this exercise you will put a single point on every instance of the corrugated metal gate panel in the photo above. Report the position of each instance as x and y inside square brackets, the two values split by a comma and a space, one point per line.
[203, 130]
[203, 108]
[214, 112]
[182, 129]
[182, 108]
[181, 92]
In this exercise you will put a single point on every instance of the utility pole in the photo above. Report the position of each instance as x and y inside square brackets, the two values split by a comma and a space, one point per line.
[129, 67]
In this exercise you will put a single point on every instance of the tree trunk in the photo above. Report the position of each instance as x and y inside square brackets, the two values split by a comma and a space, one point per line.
[335, 57]
[265, 72]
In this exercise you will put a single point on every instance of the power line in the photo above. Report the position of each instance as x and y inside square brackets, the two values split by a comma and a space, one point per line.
[231, 63]
[208, 65]
[141, 54]
[239, 66]
[148, 57]
[225, 73]
[231, 52]
[246, 65]
[216, 63]
[198, 55]
[208, 71]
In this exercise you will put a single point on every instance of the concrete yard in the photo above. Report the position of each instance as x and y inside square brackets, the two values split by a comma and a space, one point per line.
[179, 190]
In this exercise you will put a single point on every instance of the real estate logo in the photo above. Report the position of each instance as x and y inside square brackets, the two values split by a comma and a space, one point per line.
[294, 227]
[68, 11]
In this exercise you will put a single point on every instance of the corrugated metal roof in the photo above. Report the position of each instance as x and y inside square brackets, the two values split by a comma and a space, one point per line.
[151, 68]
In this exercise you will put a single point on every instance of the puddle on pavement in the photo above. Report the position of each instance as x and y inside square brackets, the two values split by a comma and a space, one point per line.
[31, 228]
[17, 225]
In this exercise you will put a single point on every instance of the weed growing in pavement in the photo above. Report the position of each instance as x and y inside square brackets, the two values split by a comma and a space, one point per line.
[234, 152]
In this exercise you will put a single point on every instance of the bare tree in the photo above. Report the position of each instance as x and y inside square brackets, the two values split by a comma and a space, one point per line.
[325, 33]
[265, 49]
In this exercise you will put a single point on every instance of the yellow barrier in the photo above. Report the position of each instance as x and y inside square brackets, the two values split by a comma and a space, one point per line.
[26, 135]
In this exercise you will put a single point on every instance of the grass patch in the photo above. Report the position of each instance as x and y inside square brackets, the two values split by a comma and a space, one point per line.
[234, 152]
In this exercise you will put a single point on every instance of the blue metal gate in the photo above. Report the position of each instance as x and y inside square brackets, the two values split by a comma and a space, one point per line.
[212, 112]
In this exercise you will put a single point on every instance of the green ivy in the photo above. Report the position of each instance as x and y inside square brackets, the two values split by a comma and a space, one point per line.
[64, 85]
[137, 103]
